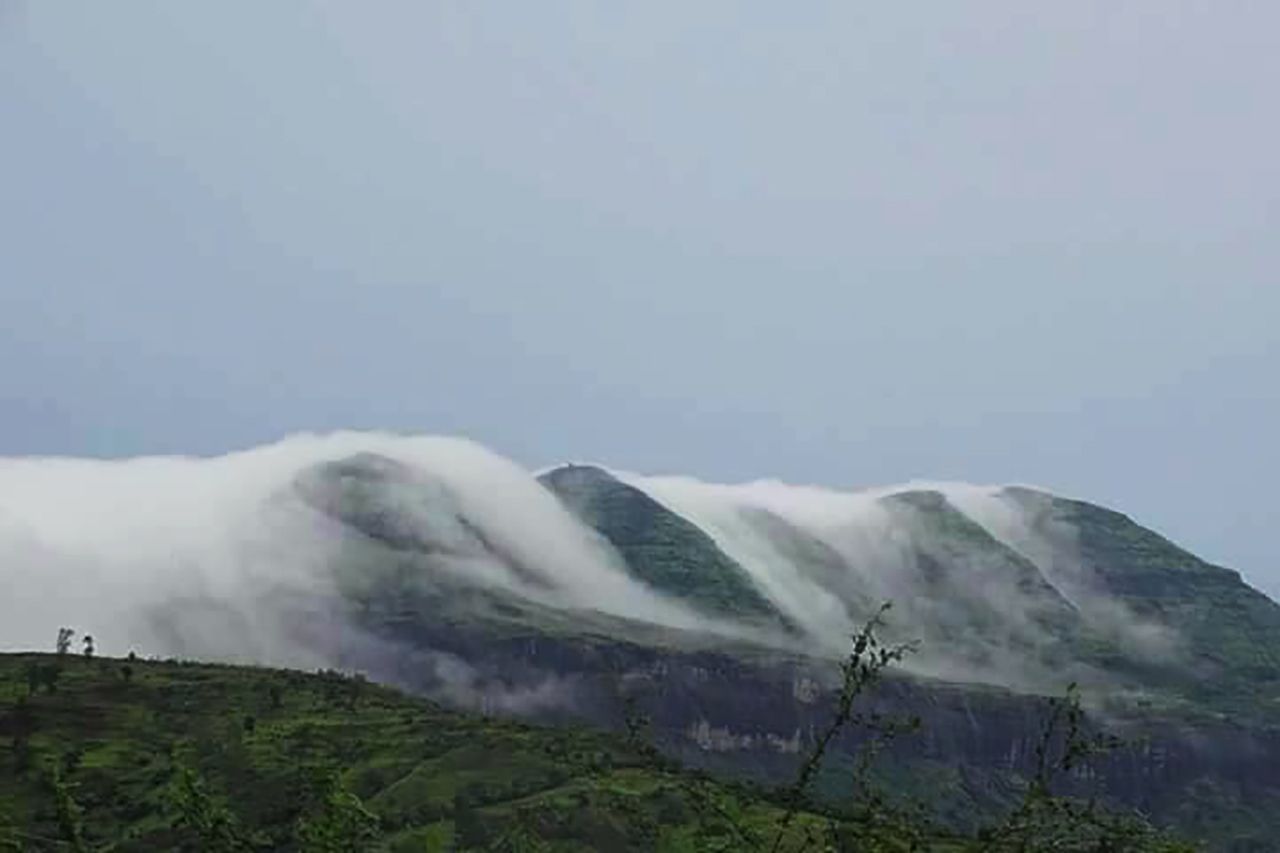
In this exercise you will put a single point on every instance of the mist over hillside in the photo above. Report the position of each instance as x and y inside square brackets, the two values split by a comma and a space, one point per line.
[255, 556]
[108, 545]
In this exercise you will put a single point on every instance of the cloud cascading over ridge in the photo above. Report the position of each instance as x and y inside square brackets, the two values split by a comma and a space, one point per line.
[226, 557]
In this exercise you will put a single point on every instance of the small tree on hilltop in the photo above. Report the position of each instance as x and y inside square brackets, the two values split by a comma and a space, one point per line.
[64, 640]
[88, 645]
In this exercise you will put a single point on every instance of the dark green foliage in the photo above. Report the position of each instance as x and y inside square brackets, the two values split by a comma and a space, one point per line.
[49, 674]
[167, 763]
[9, 839]
[520, 836]
[468, 827]
[44, 675]
[208, 822]
[339, 689]
[338, 824]
[20, 721]
[68, 813]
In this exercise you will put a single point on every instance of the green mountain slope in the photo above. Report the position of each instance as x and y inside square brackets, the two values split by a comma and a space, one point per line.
[1075, 594]
[971, 584]
[1220, 638]
[402, 508]
[816, 561]
[266, 744]
[659, 547]
[146, 755]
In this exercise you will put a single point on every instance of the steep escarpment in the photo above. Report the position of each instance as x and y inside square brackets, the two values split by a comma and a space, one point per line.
[753, 712]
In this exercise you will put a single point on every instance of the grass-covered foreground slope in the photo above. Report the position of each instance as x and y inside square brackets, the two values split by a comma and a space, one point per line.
[132, 740]
[137, 755]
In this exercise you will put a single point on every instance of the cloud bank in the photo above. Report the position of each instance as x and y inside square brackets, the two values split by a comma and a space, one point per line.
[230, 558]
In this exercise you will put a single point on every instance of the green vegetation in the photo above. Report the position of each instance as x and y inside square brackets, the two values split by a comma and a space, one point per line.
[147, 755]
[659, 547]
[206, 757]
[1227, 655]
[952, 553]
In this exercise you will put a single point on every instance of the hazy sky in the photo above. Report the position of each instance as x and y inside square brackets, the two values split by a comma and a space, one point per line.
[982, 241]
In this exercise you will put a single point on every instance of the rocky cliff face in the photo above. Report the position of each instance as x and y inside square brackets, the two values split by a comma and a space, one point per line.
[753, 713]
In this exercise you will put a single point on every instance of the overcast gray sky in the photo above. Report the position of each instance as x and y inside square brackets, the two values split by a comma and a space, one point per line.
[839, 243]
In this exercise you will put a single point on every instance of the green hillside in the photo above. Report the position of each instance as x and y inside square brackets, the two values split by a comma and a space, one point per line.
[953, 556]
[103, 754]
[659, 547]
[271, 747]
[1227, 653]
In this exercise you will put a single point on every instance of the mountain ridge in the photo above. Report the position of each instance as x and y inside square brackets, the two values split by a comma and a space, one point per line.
[436, 566]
